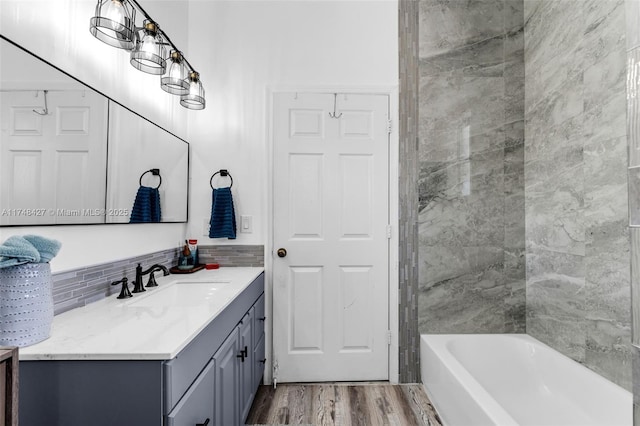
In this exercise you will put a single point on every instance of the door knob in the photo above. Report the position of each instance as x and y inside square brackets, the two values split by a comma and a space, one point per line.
[282, 252]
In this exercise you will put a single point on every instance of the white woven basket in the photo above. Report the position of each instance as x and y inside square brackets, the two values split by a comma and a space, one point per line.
[26, 304]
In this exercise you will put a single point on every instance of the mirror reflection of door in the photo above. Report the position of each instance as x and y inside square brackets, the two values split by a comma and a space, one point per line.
[53, 161]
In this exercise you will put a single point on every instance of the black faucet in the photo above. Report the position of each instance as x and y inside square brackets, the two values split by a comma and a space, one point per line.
[124, 291]
[137, 283]
[152, 279]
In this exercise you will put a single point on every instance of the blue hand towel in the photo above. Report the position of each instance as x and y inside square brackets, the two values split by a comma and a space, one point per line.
[223, 215]
[16, 251]
[146, 207]
[47, 247]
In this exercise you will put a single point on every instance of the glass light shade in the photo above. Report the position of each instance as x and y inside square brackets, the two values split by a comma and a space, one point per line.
[149, 52]
[175, 80]
[114, 23]
[195, 98]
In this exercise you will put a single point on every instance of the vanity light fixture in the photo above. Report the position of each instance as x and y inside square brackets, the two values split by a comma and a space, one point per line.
[195, 98]
[114, 24]
[175, 80]
[149, 53]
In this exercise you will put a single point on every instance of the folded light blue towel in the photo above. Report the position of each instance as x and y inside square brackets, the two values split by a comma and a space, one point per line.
[47, 247]
[17, 251]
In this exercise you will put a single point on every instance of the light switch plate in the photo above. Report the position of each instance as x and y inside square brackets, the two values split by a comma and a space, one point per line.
[246, 224]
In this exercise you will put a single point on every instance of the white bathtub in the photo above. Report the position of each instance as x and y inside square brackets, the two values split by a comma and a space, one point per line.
[504, 380]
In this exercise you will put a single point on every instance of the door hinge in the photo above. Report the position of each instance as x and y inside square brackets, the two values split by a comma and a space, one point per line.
[389, 231]
[389, 125]
[388, 337]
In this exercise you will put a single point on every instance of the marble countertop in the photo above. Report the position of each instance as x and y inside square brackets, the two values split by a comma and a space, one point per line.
[153, 325]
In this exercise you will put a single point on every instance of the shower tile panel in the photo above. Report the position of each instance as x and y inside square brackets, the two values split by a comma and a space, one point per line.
[445, 26]
[513, 16]
[462, 289]
[459, 144]
[604, 82]
[551, 75]
[471, 190]
[515, 290]
[554, 220]
[469, 105]
[554, 35]
[552, 149]
[514, 89]
[632, 15]
[604, 23]
[635, 284]
[556, 301]
[608, 350]
[484, 58]
[514, 210]
[633, 105]
[606, 120]
[634, 196]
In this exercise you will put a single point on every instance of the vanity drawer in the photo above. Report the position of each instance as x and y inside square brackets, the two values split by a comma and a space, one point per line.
[181, 371]
[197, 404]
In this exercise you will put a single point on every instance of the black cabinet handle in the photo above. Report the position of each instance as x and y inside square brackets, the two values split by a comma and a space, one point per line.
[262, 319]
[263, 361]
[241, 356]
[206, 422]
[246, 352]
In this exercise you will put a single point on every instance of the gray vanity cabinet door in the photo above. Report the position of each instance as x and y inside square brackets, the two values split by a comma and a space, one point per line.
[196, 406]
[259, 320]
[227, 389]
[258, 341]
[247, 391]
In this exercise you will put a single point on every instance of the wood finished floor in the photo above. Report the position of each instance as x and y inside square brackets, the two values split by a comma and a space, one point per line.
[343, 405]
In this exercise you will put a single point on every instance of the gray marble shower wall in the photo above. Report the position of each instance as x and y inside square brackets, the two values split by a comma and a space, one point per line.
[577, 241]
[526, 234]
[471, 178]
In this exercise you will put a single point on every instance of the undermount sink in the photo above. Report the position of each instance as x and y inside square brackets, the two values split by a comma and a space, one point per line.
[179, 293]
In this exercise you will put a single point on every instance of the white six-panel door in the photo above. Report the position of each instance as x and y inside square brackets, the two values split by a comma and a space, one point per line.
[53, 163]
[331, 215]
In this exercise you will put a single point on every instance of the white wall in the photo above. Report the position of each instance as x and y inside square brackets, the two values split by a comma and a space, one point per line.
[58, 31]
[245, 47]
